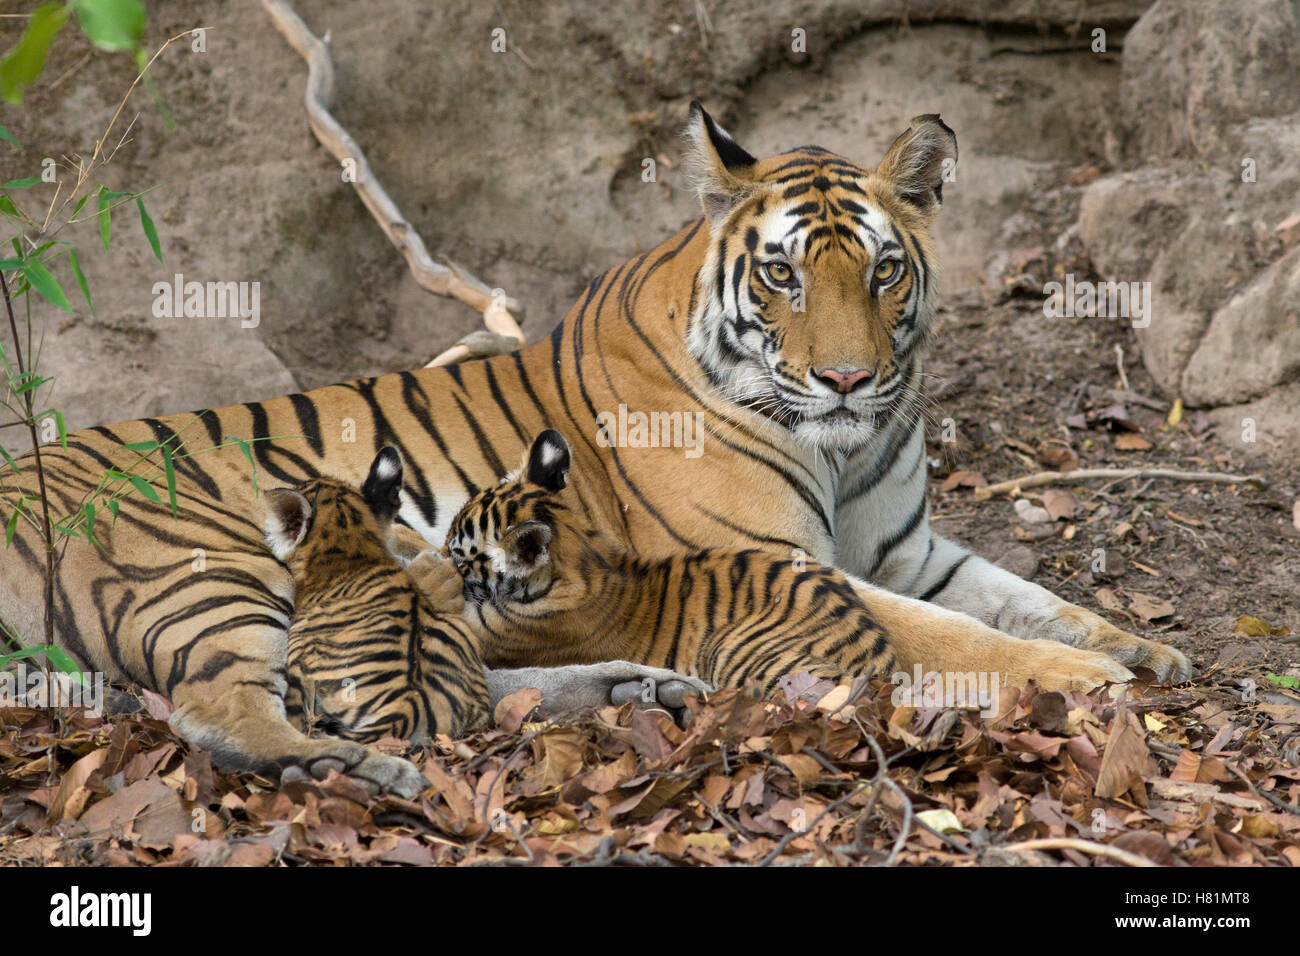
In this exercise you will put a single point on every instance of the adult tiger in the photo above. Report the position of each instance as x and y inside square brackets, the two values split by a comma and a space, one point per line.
[790, 321]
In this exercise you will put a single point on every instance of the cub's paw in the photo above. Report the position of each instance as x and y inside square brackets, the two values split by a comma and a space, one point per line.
[378, 773]
[439, 581]
[1058, 667]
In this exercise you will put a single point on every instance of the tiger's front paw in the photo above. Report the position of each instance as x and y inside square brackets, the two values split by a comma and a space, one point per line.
[1100, 635]
[1058, 667]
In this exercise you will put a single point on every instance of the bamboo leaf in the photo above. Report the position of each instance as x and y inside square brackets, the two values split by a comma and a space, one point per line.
[81, 279]
[20, 67]
[248, 453]
[111, 24]
[42, 280]
[144, 488]
[60, 659]
[6, 135]
[170, 471]
[150, 232]
[21, 183]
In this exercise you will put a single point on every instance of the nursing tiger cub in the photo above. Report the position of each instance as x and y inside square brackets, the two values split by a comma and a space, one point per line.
[547, 588]
[372, 653]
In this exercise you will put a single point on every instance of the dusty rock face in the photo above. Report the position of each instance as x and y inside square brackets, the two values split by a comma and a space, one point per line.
[526, 166]
[1211, 106]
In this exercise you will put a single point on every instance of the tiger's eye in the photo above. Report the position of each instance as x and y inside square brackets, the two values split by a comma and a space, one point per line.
[779, 272]
[886, 269]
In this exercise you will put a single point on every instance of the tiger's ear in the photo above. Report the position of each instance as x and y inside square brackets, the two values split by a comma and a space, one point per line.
[919, 161]
[383, 486]
[720, 171]
[522, 550]
[288, 516]
[548, 461]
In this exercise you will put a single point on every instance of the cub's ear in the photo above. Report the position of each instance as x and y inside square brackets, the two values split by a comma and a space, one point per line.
[548, 461]
[383, 486]
[720, 171]
[288, 517]
[522, 550]
[920, 160]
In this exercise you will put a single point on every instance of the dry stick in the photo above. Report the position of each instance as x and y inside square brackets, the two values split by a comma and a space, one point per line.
[500, 312]
[1083, 846]
[1116, 474]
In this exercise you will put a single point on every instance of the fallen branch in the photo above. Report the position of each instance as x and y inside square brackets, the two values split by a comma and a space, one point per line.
[1014, 485]
[1083, 846]
[501, 314]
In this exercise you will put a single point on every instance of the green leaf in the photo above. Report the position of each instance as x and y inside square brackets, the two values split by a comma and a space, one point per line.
[60, 659]
[24, 383]
[112, 507]
[81, 279]
[150, 232]
[9, 459]
[11, 263]
[105, 215]
[144, 488]
[11, 526]
[141, 446]
[6, 135]
[63, 428]
[1284, 680]
[19, 655]
[8, 208]
[170, 471]
[20, 67]
[111, 24]
[21, 183]
[43, 281]
[248, 453]
[77, 208]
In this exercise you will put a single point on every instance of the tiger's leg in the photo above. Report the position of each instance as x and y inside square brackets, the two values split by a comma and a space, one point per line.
[937, 639]
[957, 579]
[883, 535]
[580, 686]
[225, 673]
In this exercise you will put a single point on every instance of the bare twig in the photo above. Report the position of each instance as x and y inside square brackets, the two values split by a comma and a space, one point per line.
[1113, 474]
[1083, 846]
[501, 314]
[1119, 364]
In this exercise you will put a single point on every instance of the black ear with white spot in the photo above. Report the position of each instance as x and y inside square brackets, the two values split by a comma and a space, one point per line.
[548, 461]
[383, 486]
[720, 170]
[524, 549]
[921, 160]
[288, 517]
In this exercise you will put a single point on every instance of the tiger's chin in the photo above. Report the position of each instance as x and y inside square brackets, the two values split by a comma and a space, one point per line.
[839, 430]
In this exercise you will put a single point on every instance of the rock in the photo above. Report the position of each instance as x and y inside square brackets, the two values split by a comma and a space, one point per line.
[1253, 341]
[1193, 70]
[1021, 560]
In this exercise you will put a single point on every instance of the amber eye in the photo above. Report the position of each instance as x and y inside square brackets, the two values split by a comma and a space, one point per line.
[779, 272]
[887, 270]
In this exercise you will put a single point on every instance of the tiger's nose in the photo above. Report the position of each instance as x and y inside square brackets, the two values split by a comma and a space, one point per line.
[844, 380]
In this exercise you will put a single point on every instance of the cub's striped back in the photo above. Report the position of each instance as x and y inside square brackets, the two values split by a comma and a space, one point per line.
[549, 589]
[369, 654]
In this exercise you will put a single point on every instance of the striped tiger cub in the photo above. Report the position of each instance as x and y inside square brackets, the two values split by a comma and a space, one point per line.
[547, 588]
[372, 653]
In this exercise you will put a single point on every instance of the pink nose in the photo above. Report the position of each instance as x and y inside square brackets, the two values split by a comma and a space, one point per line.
[844, 380]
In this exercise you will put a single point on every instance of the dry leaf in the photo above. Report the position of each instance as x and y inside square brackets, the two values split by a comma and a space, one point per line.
[1254, 627]
[1131, 441]
[1148, 607]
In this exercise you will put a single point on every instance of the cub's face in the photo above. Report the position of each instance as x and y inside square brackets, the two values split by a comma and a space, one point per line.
[500, 541]
[818, 287]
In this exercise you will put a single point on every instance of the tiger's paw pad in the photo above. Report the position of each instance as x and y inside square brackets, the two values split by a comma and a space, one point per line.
[648, 692]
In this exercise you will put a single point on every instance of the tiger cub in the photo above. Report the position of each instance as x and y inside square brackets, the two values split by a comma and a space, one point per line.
[373, 650]
[547, 589]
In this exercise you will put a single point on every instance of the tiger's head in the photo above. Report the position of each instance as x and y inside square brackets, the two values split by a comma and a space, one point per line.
[502, 539]
[818, 287]
[325, 521]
